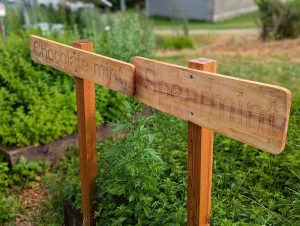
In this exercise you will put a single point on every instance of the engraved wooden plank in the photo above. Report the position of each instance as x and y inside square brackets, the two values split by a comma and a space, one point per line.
[251, 112]
[108, 72]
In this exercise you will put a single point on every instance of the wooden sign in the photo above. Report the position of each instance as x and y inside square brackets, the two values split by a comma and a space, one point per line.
[251, 112]
[108, 72]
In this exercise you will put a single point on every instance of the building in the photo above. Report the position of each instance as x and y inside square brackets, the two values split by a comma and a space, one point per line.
[72, 5]
[208, 10]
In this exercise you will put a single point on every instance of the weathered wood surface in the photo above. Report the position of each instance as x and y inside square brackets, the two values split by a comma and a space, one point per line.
[108, 72]
[251, 112]
[86, 117]
[200, 159]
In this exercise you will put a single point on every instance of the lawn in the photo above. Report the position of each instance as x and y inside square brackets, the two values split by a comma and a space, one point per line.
[248, 20]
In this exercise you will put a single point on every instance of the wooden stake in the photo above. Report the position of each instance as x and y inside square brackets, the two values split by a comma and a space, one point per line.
[85, 95]
[200, 155]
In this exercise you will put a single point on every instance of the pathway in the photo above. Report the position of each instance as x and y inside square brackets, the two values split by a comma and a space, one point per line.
[236, 31]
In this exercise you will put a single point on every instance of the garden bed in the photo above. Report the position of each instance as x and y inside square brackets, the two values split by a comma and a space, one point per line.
[50, 152]
[54, 150]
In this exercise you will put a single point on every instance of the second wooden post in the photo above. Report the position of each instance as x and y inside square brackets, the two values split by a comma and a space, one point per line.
[85, 97]
[200, 155]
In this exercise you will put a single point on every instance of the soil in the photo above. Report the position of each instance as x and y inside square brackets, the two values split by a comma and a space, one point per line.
[30, 199]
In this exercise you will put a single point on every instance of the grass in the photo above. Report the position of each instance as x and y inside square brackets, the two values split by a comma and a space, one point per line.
[243, 21]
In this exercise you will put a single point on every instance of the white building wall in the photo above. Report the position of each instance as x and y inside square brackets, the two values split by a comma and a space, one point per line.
[223, 9]
[191, 9]
[209, 10]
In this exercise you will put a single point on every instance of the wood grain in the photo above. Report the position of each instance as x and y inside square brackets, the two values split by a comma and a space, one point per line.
[85, 97]
[200, 158]
[108, 72]
[251, 112]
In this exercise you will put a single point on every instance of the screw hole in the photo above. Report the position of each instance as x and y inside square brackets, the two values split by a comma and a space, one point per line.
[191, 76]
[192, 113]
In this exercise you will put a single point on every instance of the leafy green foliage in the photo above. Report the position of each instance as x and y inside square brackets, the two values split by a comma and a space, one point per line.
[137, 183]
[4, 179]
[177, 42]
[279, 19]
[142, 177]
[37, 103]
[7, 208]
[130, 35]
[23, 174]
[69, 167]
[13, 20]
[132, 188]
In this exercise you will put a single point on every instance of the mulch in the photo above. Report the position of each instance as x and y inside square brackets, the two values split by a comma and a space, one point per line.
[30, 200]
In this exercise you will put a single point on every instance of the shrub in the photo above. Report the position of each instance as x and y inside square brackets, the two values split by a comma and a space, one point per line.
[129, 36]
[279, 19]
[142, 177]
[13, 20]
[25, 174]
[21, 175]
[37, 103]
[177, 42]
[4, 179]
[7, 208]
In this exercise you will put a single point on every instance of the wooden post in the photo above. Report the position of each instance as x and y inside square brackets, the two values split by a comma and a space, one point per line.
[200, 155]
[85, 95]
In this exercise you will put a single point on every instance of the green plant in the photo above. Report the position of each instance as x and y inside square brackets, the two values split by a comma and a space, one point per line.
[141, 176]
[21, 175]
[176, 42]
[25, 173]
[69, 169]
[242, 21]
[127, 38]
[249, 186]
[29, 114]
[279, 19]
[4, 179]
[7, 208]
[37, 104]
[135, 185]
[134, 177]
